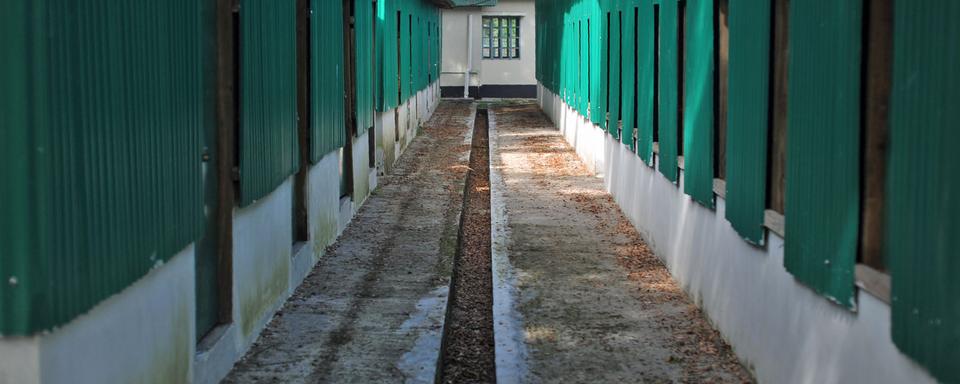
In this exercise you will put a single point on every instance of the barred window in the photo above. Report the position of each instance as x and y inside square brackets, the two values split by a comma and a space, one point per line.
[501, 37]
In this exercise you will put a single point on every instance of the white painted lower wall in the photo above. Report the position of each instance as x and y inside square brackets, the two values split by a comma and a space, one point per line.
[780, 329]
[146, 333]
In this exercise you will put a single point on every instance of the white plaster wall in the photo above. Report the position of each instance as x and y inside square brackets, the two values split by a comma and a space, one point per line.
[145, 333]
[20, 360]
[489, 71]
[780, 329]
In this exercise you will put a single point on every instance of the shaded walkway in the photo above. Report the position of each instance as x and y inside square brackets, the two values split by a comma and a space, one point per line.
[595, 304]
[372, 309]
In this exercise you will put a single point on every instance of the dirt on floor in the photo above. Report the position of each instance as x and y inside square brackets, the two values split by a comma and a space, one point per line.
[597, 304]
[468, 355]
[372, 310]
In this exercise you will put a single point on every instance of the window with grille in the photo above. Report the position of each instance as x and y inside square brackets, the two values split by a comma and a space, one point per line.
[501, 37]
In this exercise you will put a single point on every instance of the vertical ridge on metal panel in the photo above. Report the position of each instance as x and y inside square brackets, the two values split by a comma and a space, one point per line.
[823, 156]
[326, 57]
[645, 97]
[669, 96]
[748, 126]
[923, 185]
[107, 178]
[698, 102]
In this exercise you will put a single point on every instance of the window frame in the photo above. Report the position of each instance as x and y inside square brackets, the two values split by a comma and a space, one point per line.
[491, 47]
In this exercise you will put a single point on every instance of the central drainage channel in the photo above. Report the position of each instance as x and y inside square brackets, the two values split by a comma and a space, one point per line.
[467, 352]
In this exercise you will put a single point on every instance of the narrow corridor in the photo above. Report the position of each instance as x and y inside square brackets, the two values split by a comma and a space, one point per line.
[578, 296]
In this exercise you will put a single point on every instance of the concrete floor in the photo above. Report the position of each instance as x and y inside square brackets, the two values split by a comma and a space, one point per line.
[578, 296]
[591, 302]
[372, 309]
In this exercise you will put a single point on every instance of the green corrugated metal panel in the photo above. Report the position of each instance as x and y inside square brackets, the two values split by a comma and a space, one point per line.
[923, 183]
[698, 102]
[583, 91]
[645, 97]
[405, 83]
[823, 146]
[365, 75]
[628, 88]
[748, 105]
[102, 180]
[597, 73]
[613, 88]
[668, 111]
[327, 125]
[268, 95]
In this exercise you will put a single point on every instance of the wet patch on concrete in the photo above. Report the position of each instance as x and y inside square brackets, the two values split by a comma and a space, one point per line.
[367, 312]
[593, 302]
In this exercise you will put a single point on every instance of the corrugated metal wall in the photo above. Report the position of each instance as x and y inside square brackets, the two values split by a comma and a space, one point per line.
[268, 95]
[749, 109]
[102, 137]
[328, 123]
[698, 103]
[823, 140]
[823, 153]
[419, 51]
[923, 183]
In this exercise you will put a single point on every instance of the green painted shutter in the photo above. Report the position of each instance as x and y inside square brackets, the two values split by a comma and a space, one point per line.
[102, 180]
[613, 103]
[823, 141]
[747, 130]
[669, 95]
[405, 55]
[923, 183]
[327, 125]
[597, 73]
[268, 95]
[366, 78]
[645, 96]
[698, 103]
[600, 111]
[628, 87]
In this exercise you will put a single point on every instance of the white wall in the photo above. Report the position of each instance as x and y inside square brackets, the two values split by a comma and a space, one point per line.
[780, 329]
[490, 71]
[144, 334]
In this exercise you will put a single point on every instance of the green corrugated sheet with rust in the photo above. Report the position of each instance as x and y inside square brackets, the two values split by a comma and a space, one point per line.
[668, 111]
[823, 146]
[102, 180]
[327, 121]
[748, 124]
[923, 183]
[645, 80]
[366, 77]
[386, 50]
[268, 95]
[613, 87]
[628, 38]
[698, 103]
